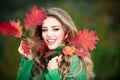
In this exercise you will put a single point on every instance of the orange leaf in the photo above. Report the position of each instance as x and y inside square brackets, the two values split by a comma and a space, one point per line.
[18, 27]
[67, 50]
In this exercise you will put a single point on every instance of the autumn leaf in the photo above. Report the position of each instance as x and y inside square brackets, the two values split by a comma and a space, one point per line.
[37, 44]
[66, 38]
[8, 29]
[49, 53]
[12, 28]
[82, 52]
[18, 27]
[25, 47]
[85, 40]
[34, 18]
[43, 47]
[67, 50]
[34, 42]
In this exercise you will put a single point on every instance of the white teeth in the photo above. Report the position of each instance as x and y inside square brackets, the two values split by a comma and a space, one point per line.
[50, 40]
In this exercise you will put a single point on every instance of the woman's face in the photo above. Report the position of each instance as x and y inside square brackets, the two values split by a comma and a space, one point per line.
[52, 32]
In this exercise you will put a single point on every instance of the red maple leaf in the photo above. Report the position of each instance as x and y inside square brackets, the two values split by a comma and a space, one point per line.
[37, 44]
[43, 47]
[12, 28]
[82, 52]
[85, 40]
[7, 29]
[25, 47]
[18, 27]
[67, 36]
[35, 18]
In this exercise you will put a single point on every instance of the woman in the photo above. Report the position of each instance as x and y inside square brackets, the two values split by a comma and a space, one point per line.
[57, 31]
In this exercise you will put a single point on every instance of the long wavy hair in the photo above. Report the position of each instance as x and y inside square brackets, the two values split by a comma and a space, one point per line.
[68, 25]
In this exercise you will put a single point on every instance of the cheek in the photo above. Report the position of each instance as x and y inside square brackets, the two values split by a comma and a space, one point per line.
[43, 35]
[61, 36]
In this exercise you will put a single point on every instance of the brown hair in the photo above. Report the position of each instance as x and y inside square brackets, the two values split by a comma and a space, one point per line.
[68, 25]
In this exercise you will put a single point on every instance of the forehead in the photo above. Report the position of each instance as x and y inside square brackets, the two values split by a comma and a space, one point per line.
[51, 21]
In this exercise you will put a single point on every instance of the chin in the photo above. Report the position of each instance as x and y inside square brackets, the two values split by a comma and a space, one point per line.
[52, 47]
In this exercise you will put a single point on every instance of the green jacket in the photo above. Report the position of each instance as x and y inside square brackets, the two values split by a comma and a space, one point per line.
[76, 71]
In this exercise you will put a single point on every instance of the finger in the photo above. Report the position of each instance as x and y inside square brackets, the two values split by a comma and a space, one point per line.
[20, 47]
[20, 50]
[60, 58]
[55, 58]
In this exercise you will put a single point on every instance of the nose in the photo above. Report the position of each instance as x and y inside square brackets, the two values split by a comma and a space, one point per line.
[49, 33]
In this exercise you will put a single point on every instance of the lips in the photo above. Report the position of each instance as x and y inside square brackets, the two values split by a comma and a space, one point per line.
[50, 41]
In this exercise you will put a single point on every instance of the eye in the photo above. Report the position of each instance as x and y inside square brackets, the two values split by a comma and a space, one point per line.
[44, 30]
[56, 29]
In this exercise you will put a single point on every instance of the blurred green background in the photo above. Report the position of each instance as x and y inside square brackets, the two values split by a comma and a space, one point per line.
[100, 15]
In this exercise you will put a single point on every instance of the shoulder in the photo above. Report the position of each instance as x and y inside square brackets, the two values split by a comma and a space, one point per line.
[75, 58]
[76, 63]
[77, 69]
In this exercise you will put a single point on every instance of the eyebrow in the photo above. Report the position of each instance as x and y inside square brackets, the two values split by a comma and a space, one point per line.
[55, 26]
[52, 26]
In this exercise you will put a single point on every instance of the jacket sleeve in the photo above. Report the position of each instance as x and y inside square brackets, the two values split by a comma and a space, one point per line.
[53, 75]
[25, 69]
[77, 70]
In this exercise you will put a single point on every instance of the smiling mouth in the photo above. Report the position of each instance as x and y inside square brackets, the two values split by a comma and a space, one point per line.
[51, 41]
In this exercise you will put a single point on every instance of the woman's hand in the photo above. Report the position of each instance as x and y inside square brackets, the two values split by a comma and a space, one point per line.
[28, 56]
[53, 63]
